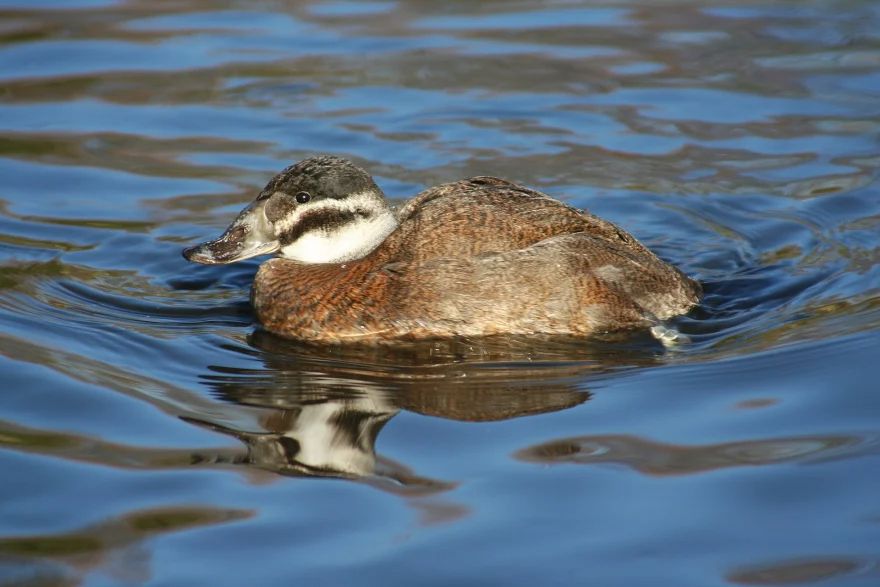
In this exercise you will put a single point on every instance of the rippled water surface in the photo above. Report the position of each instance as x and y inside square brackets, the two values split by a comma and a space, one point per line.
[150, 433]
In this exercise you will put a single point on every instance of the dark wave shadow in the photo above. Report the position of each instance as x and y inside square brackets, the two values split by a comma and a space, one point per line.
[116, 546]
[656, 458]
[809, 569]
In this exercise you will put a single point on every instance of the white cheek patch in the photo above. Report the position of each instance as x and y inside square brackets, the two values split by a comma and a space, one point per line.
[346, 242]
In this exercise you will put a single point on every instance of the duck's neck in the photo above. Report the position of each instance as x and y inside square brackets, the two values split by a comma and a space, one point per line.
[344, 230]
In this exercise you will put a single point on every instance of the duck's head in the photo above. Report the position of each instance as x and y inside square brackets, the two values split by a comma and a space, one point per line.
[320, 210]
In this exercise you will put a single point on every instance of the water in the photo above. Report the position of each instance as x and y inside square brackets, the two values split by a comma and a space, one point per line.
[150, 434]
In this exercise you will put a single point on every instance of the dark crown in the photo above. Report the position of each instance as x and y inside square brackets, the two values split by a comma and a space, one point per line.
[325, 176]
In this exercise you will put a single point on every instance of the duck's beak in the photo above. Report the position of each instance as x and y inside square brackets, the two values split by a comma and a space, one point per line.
[248, 236]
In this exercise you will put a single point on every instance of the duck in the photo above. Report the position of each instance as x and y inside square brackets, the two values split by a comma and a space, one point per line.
[476, 257]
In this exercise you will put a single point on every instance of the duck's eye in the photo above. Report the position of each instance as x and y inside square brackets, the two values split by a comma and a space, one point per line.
[303, 197]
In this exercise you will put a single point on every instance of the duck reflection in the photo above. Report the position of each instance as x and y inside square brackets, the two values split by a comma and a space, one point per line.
[322, 408]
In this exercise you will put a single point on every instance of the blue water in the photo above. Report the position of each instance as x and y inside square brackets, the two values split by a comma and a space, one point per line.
[152, 434]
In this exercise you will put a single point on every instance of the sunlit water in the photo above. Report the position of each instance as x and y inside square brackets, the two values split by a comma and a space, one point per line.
[150, 433]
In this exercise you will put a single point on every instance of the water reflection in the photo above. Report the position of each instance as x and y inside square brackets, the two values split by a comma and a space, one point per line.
[317, 411]
[322, 408]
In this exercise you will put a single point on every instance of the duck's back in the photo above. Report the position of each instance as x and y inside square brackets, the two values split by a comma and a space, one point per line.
[487, 214]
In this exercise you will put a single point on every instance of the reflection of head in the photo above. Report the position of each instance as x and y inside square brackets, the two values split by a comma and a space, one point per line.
[327, 439]
[332, 438]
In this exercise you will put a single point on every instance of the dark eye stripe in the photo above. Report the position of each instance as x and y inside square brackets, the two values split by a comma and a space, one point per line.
[321, 219]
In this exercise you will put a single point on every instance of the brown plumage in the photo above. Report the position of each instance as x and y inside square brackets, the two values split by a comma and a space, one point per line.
[475, 257]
